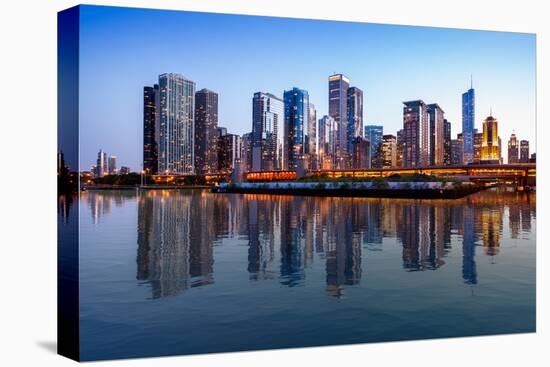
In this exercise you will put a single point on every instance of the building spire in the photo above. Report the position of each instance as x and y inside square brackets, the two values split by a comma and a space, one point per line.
[471, 82]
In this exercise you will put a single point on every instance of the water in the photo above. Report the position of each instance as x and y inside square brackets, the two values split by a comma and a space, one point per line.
[179, 272]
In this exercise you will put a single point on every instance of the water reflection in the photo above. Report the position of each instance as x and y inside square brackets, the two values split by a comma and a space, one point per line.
[285, 235]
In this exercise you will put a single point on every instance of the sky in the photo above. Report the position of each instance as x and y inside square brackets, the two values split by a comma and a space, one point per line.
[124, 49]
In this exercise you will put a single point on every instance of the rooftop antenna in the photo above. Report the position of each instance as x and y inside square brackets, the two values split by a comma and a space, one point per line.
[471, 82]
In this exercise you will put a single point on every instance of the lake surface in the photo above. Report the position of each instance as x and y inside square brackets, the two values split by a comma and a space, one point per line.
[179, 272]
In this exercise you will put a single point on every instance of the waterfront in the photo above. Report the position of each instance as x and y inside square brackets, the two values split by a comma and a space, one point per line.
[176, 272]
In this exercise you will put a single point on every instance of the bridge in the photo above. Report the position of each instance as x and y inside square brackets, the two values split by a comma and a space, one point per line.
[520, 174]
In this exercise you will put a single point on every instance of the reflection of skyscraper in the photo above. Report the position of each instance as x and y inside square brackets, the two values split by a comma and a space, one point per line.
[174, 245]
[469, 272]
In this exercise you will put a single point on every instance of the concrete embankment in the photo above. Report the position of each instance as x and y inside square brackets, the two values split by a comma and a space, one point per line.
[420, 190]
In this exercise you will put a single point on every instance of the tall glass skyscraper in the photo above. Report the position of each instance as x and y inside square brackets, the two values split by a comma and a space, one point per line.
[267, 132]
[338, 85]
[327, 136]
[150, 127]
[296, 124]
[354, 115]
[206, 131]
[176, 125]
[374, 134]
[311, 137]
[416, 134]
[468, 123]
[437, 145]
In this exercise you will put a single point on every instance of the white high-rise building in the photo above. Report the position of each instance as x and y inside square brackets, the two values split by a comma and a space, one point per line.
[176, 130]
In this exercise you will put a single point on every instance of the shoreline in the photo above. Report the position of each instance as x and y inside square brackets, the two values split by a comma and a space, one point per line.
[401, 190]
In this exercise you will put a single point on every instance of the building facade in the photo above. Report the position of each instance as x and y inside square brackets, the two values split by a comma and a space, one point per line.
[296, 122]
[513, 149]
[267, 132]
[230, 150]
[490, 150]
[400, 136]
[456, 151]
[468, 124]
[311, 138]
[206, 131]
[327, 143]
[389, 151]
[524, 151]
[354, 115]
[478, 140]
[150, 129]
[447, 149]
[374, 134]
[437, 143]
[416, 128]
[176, 138]
[111, 164]
[360, 150]
[338, 86]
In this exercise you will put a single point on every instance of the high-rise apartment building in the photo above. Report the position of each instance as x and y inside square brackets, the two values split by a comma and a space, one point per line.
[150, 129]
[296, 122]
[354, 115]
[267, 132]
[229, 152]
[311, 137]
[513, 149]
[437, 126]
[112, 165]
[327, 143]
[338, 86]
[374, 133]
[416, 126]
[447, 149]
[176, 132]
[389, 151]
[524, 151]
[206, 131]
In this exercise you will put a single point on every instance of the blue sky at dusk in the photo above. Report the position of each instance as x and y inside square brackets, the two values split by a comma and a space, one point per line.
[122, 50]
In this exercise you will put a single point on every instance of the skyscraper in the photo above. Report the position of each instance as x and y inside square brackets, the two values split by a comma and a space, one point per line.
[229, 152]
[374, 133]
[524, 151]
[206, 131]
[490, 151]
[400, 148]
[360, 153]
[112, 165]
[513, 149]
[267, 132]
[338, 85]
[389, 151]
[246, 154]
[311, 137]
[456, 151]
[102, 167]
[437, 144]
[447, 149]
[468, 124]
[416, 126]
[478, 140]
[354, 115]
[176, 125]
[150, 127]
[327, 143]
[296, 122]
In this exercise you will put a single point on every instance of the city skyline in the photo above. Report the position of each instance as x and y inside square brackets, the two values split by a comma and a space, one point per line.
[489, 56]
